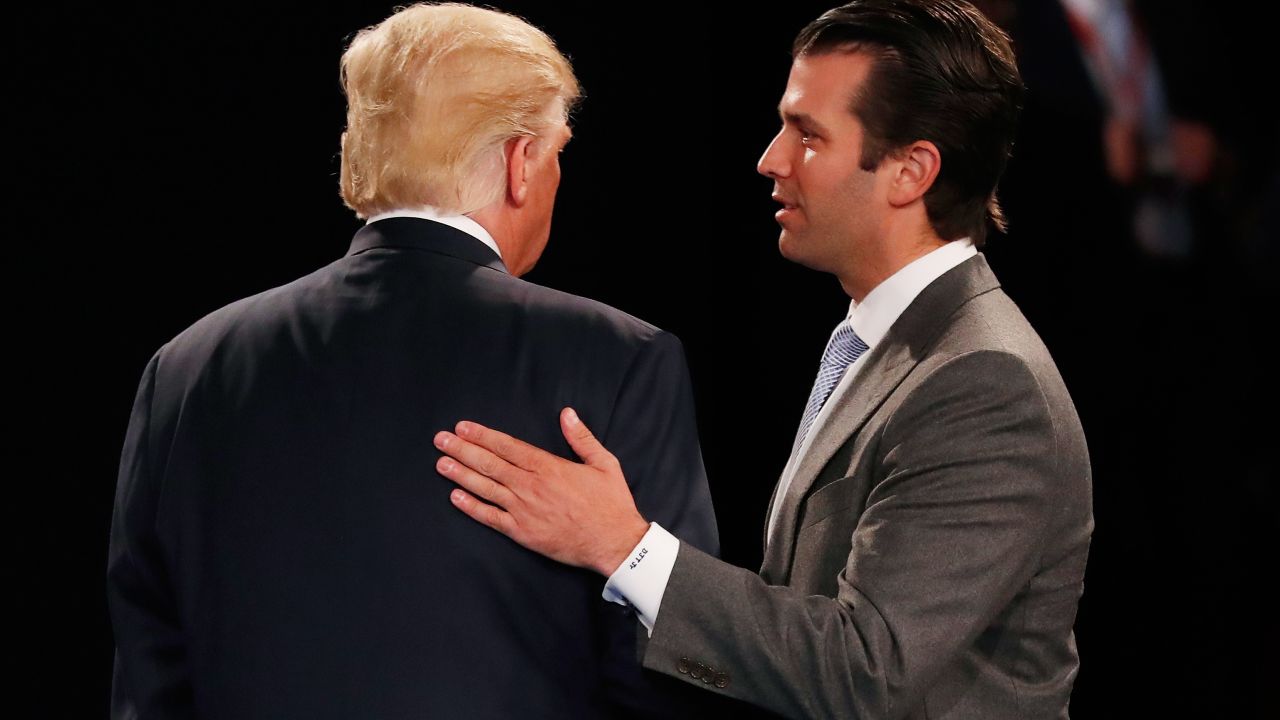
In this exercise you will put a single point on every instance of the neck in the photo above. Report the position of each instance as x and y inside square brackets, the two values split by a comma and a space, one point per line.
[893, 255]
[500, 224]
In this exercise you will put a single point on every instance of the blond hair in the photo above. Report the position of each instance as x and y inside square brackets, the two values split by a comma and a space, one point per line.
[433, 94]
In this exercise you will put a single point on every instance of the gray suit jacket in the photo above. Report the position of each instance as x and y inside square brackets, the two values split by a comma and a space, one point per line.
[929, 554]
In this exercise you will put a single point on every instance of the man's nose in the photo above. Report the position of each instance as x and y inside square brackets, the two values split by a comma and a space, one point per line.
[773, 163]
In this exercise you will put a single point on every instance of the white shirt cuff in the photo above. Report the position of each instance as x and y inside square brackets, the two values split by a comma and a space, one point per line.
[641, 579]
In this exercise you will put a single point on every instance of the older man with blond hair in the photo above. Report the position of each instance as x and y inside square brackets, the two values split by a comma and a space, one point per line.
[275, 552]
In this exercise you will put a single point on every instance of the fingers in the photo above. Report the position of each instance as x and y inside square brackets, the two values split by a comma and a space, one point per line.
[484, 514]
[515, 451]
[476, 483]
[583, 442]
[479, 459]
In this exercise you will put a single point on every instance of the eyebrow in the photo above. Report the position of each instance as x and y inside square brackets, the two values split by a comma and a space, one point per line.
[799, 118]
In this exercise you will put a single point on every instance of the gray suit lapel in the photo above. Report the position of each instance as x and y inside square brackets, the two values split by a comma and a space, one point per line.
[886, 366]
[884, 370]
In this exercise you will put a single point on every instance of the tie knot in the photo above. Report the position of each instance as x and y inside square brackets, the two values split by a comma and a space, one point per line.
[844, 346]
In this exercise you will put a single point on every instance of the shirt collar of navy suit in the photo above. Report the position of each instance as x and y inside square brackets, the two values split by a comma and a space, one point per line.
[445, 235]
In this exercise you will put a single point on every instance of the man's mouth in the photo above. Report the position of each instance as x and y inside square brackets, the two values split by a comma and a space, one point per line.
[786, 204]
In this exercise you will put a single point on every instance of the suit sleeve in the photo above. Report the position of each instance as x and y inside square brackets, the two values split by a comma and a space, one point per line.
[653, 432]
[151, 679]
[952, 529]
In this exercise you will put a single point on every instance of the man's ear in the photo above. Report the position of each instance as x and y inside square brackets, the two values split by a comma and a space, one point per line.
[916, 168]
[518, 153]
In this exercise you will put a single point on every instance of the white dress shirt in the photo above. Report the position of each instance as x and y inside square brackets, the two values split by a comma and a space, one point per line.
[460, 222]
[641, 579]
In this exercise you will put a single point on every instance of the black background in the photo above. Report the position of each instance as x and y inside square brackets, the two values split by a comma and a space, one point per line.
[173, 159]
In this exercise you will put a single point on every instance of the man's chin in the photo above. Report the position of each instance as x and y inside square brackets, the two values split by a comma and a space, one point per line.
[789, 246]
[792, 248]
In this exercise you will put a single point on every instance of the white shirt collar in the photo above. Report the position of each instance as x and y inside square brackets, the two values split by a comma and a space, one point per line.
[460, 222]
[872, 318]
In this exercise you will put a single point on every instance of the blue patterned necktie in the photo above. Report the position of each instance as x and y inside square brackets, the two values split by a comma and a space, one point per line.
[842, 349]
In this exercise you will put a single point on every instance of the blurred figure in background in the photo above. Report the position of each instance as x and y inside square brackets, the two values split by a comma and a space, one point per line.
[1138, 239]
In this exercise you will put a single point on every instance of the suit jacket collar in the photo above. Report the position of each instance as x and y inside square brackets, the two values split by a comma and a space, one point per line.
[421, 234]
[887, 365]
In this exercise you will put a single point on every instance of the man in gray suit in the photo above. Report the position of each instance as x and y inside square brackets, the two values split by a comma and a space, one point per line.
[926, 544]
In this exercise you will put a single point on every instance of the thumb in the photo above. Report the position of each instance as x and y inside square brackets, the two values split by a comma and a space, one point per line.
[582, 441]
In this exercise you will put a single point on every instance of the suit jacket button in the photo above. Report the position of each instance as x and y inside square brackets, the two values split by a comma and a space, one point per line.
[722, 680]
[683, 665]
[698, 671]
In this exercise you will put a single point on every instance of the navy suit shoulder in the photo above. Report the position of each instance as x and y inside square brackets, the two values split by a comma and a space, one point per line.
[324, 293]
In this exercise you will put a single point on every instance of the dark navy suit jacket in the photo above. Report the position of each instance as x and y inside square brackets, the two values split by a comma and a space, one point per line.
[282, 546]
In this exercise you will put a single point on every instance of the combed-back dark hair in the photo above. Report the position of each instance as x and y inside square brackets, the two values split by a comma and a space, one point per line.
[941, 72]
